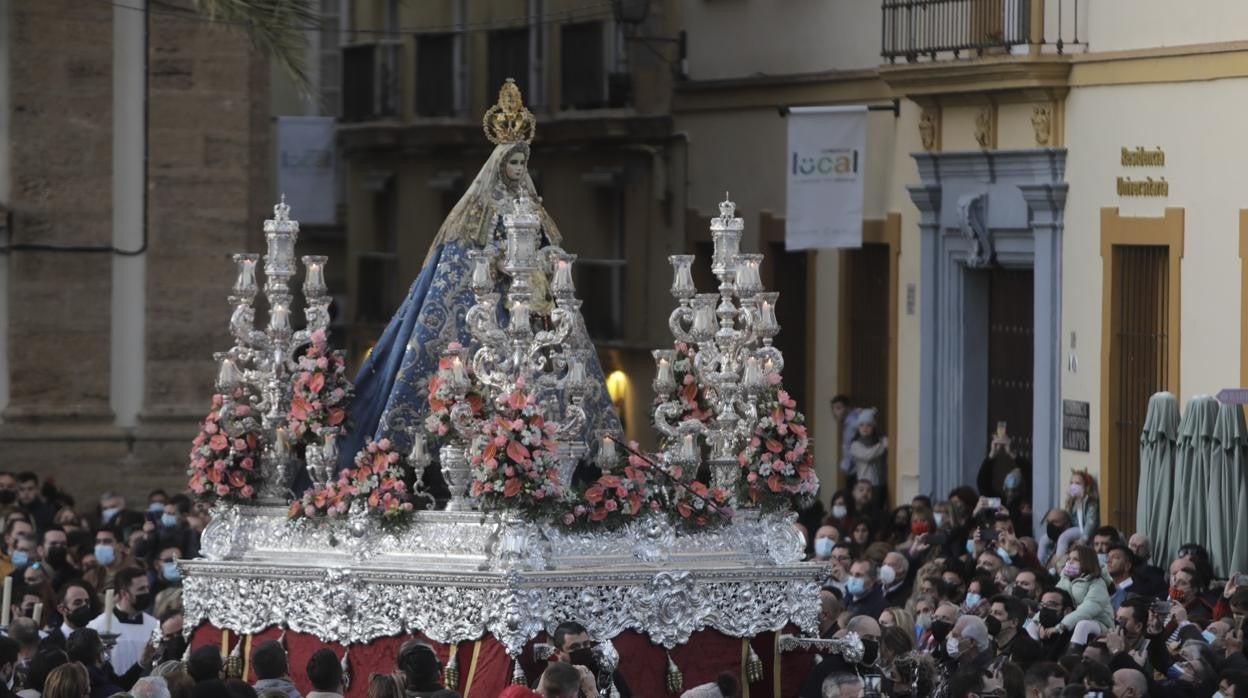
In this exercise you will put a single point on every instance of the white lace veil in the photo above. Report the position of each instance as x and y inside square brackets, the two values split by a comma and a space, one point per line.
[491, 192]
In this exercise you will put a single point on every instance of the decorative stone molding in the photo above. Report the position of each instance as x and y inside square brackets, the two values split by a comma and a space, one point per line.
[929, 128]
[986, 126]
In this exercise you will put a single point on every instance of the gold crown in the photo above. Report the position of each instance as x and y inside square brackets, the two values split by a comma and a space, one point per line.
[509, 121]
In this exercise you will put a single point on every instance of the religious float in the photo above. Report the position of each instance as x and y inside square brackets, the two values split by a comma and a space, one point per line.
[474, 490]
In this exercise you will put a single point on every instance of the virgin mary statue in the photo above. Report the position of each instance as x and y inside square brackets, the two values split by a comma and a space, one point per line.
[391, 391]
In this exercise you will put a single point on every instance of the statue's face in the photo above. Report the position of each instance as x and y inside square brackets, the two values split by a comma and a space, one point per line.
[515, 166]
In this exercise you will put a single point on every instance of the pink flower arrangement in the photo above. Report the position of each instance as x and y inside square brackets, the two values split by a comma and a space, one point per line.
[444, 405]
[687, 390]
[378, 479]
[516, 466]
[615, 498]
[320, 391]
[701, 506]
[225, 455]
[776, 462]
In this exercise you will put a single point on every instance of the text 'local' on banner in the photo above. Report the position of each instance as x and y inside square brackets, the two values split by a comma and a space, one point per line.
[824, 173]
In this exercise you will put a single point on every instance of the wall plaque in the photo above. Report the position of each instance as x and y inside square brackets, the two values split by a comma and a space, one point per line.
[1075, 425]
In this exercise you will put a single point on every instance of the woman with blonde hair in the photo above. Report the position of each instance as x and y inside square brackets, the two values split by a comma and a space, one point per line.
[387, 685]
[67, 681]
[896, 616]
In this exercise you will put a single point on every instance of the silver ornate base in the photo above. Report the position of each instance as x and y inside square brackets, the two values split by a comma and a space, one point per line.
[457, 576]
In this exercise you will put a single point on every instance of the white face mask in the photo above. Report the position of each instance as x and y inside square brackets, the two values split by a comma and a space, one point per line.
[951, 647]
[940, 519]
[839, 511]
[887, 575]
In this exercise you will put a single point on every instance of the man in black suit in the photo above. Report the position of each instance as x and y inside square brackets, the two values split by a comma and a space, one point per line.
[865, 597]
[1005, 621]
[1150, 580]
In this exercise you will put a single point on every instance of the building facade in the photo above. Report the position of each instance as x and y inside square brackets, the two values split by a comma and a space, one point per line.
[606, 157]
[1026, 252]
[112, 276]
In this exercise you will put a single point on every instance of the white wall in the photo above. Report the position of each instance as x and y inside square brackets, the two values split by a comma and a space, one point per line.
[1205, 151]
[748, 38]
[1134, 24]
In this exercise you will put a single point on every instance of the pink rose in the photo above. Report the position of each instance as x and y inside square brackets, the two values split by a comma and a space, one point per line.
[384, 445]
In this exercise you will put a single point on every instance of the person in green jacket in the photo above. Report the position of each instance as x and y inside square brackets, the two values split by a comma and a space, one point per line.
[1083, 579]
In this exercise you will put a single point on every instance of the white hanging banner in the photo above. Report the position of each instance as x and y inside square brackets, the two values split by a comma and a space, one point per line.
[305, 168]
[827, 152]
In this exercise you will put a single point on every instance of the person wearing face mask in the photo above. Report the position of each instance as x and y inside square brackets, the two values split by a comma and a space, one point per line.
[943, 618]
[1083, 503]
[868, 631]
[111, 504]
[75, 610]
[841, 515]
[1192, 673]
[825, 542]
[864, 595]
[168, 575]
[110, 557]
[54, 551]
[1005, 619]
[968, 645]
[1187, 588]
[895, 579]
[133, 597]
[1046, 625]
[574, 646]
[23, 552]
[13, 530]
[1059, 534]
[1083, 580]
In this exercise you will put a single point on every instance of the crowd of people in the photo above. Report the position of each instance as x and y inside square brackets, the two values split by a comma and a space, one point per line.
[951, 598]
[959, 597]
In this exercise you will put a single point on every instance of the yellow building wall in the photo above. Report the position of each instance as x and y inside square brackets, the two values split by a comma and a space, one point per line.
[1204, 162]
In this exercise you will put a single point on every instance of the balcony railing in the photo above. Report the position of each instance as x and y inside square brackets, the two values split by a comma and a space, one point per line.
[931, 29]
[370, 81]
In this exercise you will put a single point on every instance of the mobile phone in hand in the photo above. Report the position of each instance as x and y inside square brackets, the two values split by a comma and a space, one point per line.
[992, 502]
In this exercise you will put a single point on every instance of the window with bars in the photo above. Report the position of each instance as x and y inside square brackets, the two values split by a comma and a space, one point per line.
[509, 58]
[435, 75]
[1139, 363]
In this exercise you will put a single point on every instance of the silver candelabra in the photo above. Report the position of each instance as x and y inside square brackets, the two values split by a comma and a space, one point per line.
[730, 334]
[260, 360]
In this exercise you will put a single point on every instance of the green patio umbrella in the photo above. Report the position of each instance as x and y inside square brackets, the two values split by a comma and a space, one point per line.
[1189, 522]
[1157, 455]
[1226, 471]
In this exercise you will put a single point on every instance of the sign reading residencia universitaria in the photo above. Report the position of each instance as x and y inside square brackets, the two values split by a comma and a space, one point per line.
[1142, 157]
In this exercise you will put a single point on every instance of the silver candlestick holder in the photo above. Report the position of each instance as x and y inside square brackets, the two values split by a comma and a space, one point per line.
[260, 360]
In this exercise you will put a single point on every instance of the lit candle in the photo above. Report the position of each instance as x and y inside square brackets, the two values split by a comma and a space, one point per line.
[752, 377]
[37, 615]
[688, 450]
[109, 601]
[458, 372]
[607, 453]
[418, 447]
[562, 282]
[228, 376]
[8, 602]
[520, 317]
[315, 278]
[246, 282]
[576, 372]
[280, 446]
[279, 318]
[682, 283]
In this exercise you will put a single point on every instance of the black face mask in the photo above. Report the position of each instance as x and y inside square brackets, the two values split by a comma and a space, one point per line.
[57, 556]
[79, 617]
[941, 629]
[7, 496]
[1055, 531]
[870, 651]
[142, 601]
[1022, 593]
[173, 648]
[1049, 618]
[994, 625]
[585, 657]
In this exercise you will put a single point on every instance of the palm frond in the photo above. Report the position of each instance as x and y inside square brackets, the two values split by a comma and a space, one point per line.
[276, 27]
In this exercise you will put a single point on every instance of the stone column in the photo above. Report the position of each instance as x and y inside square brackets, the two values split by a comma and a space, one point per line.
[1047, 204]
[928, 198]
